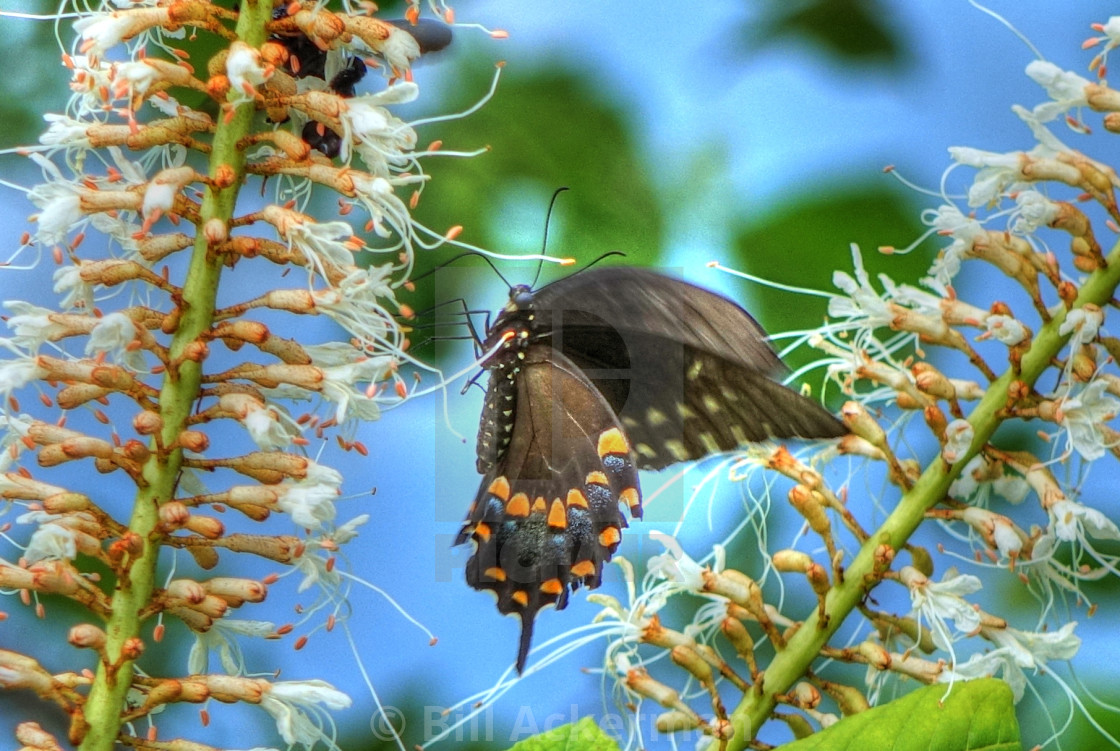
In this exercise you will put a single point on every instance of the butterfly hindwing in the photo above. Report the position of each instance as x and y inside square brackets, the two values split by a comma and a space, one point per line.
[547, 516]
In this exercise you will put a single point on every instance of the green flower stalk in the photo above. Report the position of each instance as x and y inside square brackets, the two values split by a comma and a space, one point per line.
[162, 180]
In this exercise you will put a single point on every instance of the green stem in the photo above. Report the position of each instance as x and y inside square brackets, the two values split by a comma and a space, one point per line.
[790, 664]
[101, 720]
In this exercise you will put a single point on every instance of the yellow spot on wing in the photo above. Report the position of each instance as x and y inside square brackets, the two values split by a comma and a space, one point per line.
[709, 442]
[677, 449]
[738, 434]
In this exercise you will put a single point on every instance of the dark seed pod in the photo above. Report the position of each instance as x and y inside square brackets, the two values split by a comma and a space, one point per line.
[322, 139]
[430, 35]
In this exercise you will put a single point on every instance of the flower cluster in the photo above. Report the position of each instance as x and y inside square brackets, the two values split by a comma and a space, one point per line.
[178, 361]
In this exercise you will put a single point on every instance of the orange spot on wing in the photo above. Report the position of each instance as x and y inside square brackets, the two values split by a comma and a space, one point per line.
[596, 478]
[518, 505]
[558, 515]
[499, 488]
[496, 573]
[631, 498]
[521, 597]
[609, 537]
[552, 587]
[539, 505]
[482, 531]
[613, 442]
[583, 568]
[576, 498]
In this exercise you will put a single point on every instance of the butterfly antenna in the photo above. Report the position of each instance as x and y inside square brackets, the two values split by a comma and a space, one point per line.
[544, 242]
[606, 255]
[453, 259]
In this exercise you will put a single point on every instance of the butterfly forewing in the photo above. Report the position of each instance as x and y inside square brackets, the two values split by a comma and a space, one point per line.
[700, 404]
[548, 515]
[654, 307]
[688, 372]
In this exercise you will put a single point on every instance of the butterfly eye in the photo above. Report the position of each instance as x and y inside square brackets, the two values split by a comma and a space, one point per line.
[521, 296]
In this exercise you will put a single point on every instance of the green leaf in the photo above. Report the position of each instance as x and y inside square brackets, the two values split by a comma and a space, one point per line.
[975, 716]
[538, 141]
[809, 237]
[849, 30]
[584, 735]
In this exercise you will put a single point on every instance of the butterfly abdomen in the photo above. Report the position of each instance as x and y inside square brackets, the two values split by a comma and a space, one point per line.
[496, 424]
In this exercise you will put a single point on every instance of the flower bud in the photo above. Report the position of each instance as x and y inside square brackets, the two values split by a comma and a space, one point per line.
[66, 502]
[173, 515]
[207, 526]
[187, 590]
[236, 591]
[132, 648]
[806, 695]
[33, 738]
[147, 423]
[215, 231]
[875, 654]
[689, 659]
[87, 636]
[958, 440]
[194, 440]
[640, 682]
[676, 721]
[858, 421]
[791, 561]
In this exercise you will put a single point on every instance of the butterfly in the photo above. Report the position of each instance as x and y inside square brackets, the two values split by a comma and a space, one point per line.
[593, 377]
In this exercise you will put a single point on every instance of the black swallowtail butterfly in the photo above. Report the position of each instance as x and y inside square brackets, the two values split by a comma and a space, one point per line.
[596, 376]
